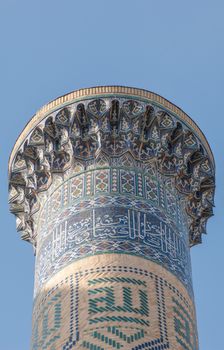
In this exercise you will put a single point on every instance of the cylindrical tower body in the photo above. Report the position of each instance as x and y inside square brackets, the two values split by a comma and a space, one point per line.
[112, 185]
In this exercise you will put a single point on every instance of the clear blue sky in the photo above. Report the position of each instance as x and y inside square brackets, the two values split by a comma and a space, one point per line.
[50, 47]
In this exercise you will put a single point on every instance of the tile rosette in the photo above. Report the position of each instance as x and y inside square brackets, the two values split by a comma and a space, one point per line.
[112, 174]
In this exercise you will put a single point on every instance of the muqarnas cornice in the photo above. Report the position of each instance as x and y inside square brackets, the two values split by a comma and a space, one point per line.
[80, 126]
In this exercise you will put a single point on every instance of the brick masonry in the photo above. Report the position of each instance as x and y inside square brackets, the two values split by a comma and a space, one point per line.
[114, 302]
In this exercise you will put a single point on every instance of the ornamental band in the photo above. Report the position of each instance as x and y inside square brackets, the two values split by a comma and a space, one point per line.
[112, 186]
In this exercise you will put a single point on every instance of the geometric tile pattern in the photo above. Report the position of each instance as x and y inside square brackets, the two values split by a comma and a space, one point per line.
[107, 180]
[183, 325]
[113, 227]
[114, 306]
[113, 210]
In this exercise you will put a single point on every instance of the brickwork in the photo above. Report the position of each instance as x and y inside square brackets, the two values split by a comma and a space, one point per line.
[114, 302]
[112, 186]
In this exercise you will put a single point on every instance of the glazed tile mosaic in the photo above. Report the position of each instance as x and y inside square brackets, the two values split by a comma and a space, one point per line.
[102, 221]
[112, 186]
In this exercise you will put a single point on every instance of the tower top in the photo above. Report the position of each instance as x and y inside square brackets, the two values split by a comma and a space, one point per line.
[113, 120]
[110, 90]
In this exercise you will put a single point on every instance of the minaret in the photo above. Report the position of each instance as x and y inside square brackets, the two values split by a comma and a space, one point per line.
[112, 186]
